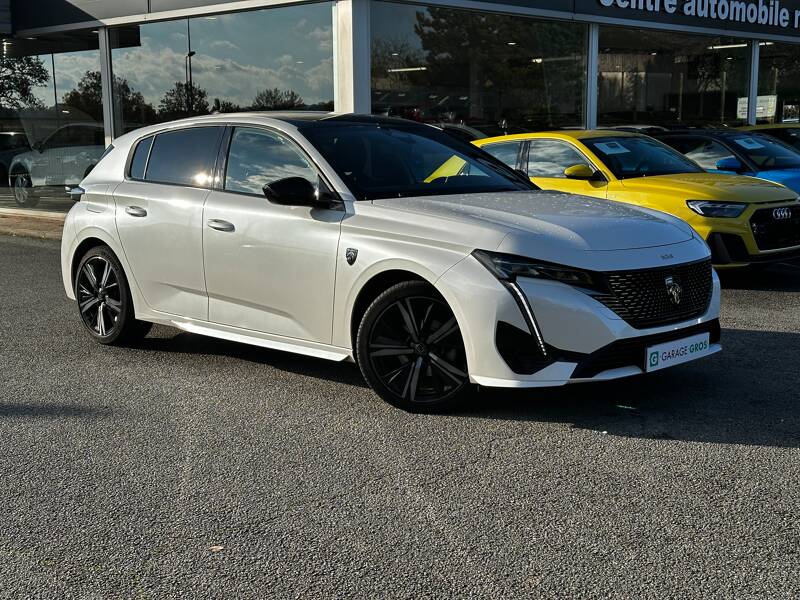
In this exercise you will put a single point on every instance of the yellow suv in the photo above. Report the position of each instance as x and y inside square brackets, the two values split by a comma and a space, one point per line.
[744, 220]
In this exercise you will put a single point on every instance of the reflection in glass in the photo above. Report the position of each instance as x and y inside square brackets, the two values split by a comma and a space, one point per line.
[272, 59]
[258, 157]
[495, 73]
[663, 78]
[51, 117]
[779, 87]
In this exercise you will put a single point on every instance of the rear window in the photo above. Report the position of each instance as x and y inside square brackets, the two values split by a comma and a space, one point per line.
[139, 160]
[184, 157]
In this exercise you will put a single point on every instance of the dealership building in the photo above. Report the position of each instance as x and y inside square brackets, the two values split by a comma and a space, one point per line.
[112, 66]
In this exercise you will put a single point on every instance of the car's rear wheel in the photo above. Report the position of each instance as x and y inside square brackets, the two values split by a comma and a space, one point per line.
[104, 299]
[23, 190]
[410, 350]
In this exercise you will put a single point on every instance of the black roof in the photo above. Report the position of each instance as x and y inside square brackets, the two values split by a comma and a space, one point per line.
[301, 117]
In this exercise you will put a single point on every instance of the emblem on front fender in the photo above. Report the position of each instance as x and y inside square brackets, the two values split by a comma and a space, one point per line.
[350, 255]
[674, 290]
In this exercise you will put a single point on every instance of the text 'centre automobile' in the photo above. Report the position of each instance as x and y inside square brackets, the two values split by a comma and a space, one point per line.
[430, 263]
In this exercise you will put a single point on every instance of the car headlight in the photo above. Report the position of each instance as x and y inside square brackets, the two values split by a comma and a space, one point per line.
[710, 208]
[508, 267]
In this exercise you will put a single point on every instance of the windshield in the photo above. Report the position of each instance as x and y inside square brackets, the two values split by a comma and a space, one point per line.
[639, 156]
[379, 160]
[767, 154]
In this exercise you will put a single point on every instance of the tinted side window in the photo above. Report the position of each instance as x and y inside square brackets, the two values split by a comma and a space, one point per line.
[504, 152]
[258, 157]
[139, 160]
[705, 153]
[184, 157]
[549, 158]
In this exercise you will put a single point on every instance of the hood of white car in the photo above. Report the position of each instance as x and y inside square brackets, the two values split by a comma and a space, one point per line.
[553, 219]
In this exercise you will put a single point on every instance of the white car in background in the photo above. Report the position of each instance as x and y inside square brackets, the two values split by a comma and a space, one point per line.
[390, 243]
[60, 162]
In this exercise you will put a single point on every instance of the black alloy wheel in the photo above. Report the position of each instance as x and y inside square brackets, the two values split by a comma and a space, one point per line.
[410, 349]
[104, 300]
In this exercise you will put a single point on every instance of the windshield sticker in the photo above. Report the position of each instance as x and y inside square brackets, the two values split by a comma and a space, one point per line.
[749, 143]
[611, 148]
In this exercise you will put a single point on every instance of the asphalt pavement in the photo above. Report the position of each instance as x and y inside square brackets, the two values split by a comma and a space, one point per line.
[194, 468]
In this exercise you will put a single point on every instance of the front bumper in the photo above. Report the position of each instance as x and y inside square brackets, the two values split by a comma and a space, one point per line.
[584, 340]
[754, 237]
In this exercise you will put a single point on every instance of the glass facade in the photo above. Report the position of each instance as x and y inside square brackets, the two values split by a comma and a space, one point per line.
[51, 117]
[474, 73]
[778, 83]
[664, 78]
[271, 59]
[481, 71]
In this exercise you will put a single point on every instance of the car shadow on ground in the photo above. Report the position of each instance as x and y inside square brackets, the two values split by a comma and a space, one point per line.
[163, 339]
[781, 277]
[747, 394]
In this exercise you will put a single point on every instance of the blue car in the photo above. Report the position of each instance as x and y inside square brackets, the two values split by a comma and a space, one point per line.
[738, 152]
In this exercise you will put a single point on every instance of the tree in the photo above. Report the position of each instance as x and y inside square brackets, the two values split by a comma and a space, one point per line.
[225, 106]
[87, 97]
[178, 103]
[18, 78]
[276, 99]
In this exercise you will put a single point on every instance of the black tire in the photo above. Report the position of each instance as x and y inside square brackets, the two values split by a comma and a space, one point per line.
[410, 350]
[23, 190]
[104, 299]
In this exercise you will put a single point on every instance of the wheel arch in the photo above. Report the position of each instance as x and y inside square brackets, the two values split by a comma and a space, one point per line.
[371, 289]
[80, 250]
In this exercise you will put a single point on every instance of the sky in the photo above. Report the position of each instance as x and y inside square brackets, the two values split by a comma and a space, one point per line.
[237, 55]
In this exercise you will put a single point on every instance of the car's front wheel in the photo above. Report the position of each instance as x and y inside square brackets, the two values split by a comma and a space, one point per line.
[410, 350]
[104, 299]
[23, 190]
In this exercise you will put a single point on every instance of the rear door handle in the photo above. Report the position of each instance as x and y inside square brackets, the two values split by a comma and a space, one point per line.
[136, 211]
[220, 225]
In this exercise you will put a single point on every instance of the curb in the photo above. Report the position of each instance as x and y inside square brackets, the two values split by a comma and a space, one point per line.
[21, 222]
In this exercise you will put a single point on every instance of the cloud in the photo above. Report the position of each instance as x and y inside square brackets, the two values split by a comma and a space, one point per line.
[154, 72]
[224, 44]
[323, 37]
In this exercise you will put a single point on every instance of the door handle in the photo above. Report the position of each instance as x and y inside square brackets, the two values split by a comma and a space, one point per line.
[136, 211]
[220, 225]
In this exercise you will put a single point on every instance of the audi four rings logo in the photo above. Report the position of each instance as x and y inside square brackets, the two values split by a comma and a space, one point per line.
[780, 214]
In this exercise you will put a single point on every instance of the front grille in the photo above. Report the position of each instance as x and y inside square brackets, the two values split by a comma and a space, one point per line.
[642, 298]
[772, 233]
[630, 352]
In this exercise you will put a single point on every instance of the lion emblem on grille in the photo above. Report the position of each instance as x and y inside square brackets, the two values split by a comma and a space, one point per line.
[674, 290]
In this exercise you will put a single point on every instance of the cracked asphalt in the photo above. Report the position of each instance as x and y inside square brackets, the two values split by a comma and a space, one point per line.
[194, 468]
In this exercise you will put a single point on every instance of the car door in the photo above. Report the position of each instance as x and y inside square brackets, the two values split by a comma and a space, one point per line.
[547, 159]
[159, 212]
[46, 166]
[269, 268]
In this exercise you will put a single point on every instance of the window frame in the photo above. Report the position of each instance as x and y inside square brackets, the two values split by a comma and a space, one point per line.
[221, 167]
[154, 135]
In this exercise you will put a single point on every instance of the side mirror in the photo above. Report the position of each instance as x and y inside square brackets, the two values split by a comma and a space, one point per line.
[583, 172]
[38, 146]
[729, 163]
[291, 191]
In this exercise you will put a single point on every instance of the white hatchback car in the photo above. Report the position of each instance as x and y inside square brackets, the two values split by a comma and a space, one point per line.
[383, 241]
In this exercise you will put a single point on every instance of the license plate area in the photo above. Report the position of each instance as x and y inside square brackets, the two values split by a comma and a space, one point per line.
[676, 352]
